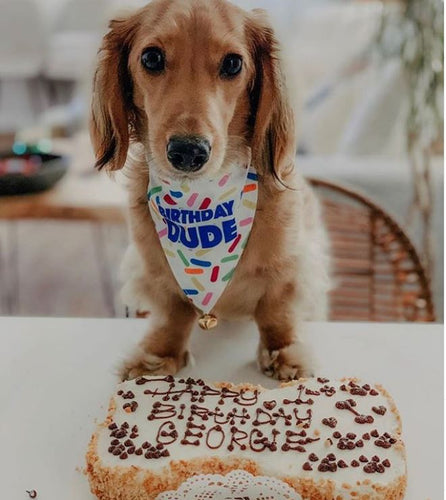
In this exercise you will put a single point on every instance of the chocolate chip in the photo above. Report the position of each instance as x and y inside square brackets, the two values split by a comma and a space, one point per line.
[138, 451]
[331, 457]
[354, 463]
[330, 422]
[112, 426]
[374, 433]
[363, 459]
[129, 442]
[366, 436]
[116, 451]
[382, 443]
[115, 442]
[359, 443]
[351, 435]
[131, 450]
[370, 468]
[145, 445]
[375, 458]
[379, 410]
[337, 434]
[342, 464]
[358, 391]
[386, 462]
[364, 419]
[123, 455]
[373, 392]
[130, 407]
[32, 493]
[313, 457]
[307, 466]
[342, 445]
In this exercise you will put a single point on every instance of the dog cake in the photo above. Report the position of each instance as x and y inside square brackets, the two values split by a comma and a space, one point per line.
[325, 439]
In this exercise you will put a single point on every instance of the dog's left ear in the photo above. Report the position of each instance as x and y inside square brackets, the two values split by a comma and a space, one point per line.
[271, 118]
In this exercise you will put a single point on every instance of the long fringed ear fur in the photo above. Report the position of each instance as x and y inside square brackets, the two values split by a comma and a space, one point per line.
[112, 110]
[271, 117]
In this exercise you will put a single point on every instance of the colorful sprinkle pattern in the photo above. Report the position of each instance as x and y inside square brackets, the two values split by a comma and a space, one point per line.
[203, 227]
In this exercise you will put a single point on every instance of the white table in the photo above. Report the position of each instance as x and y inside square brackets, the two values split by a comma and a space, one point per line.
[57, 375]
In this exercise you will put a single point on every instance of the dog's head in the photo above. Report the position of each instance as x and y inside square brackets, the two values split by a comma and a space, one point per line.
[198, 83]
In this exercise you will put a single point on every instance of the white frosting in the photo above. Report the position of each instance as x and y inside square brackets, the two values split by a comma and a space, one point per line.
[277, 463]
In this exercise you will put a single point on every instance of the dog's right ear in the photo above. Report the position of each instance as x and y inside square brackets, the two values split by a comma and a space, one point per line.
[112, 110]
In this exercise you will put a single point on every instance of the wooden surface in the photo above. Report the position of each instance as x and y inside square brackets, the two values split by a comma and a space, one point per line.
[67, 266]
[83, 193]
[60, 268]
[57, 376]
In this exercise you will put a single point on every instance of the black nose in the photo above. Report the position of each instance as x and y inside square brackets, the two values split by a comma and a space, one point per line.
[188, 153]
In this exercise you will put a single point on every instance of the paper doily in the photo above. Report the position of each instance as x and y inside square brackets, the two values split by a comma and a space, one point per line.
[237, 484]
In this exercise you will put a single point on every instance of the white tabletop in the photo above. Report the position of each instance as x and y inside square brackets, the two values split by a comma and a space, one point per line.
[57, 376]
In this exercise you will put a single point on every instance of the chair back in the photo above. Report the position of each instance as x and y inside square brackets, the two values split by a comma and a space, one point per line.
[378, 274]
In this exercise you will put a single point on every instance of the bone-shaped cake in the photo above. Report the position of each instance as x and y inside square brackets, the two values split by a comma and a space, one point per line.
[326, 439]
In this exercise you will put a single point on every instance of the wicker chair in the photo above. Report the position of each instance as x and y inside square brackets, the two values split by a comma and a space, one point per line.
[377, 271]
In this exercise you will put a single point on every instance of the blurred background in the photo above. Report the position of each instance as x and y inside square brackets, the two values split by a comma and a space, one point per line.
[366, 81]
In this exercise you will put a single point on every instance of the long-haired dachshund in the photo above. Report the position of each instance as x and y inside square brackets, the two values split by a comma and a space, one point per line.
[207, 69]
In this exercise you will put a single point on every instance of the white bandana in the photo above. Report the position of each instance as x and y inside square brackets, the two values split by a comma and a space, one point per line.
[203, 226]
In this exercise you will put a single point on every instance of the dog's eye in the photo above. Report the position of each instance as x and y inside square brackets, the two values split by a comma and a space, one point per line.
[231, 66]
[153, 59]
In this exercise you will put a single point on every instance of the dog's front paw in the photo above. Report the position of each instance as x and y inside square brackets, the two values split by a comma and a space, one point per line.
[289, 363]
[146, 363]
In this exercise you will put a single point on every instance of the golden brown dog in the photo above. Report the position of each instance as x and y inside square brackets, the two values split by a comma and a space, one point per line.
[208, 72]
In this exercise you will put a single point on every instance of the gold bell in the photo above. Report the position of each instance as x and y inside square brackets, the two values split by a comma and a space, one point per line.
[208, 321]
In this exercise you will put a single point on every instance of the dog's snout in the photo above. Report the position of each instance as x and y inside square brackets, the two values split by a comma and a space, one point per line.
[188, 154]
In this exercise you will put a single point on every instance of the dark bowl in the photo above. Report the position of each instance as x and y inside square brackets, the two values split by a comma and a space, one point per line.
[30, 172]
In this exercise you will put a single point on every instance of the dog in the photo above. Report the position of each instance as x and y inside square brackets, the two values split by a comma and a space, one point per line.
[208, 70]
